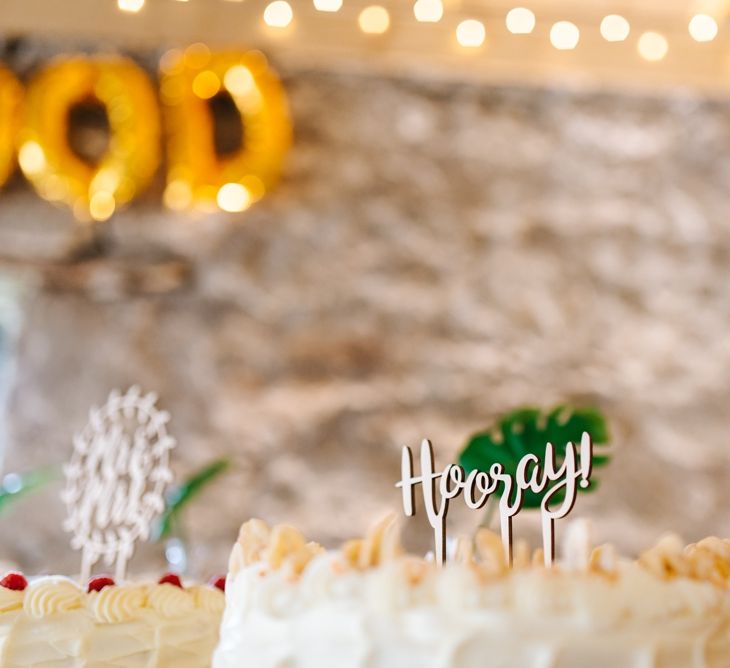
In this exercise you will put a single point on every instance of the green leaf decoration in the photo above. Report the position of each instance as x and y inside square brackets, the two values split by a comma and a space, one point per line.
[181, 495]
[528, 431]
[16, 486]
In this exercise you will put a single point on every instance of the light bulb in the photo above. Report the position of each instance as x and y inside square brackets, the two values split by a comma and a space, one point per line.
[471, 33]
[374, 20]
[703, 28]
[520, 21]
[615, 28]
[428, 11]
[131, 6]
[233, 197]
[564, 35]
[278, 14]
[652, 46]
[328, 5]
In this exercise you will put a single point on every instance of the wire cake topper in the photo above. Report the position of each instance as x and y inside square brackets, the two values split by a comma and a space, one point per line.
[116, 479]
[558, 481]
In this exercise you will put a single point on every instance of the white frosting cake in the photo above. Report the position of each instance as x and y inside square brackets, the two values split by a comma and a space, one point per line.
[53, 623]
[291, 604]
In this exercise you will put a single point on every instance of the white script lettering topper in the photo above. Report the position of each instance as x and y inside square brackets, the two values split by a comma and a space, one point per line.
[116, 479]
[530, 474]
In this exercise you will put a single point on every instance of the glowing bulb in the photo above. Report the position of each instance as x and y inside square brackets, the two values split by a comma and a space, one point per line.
[652, 46]
[102, 205]
[233, 197]
[703, 28]
[12, 483]
[171, 61]
[206, 84]
[374, 20]
[564, 35]
[428, 11]
[176, 555]
[196, 56]
[328, 5]
[106, 179]
[32, 158]
[131, 6]
[238, 80]
[520, 21]
[53, 188]
[278, 14]
[615, 28]
[470, 33]
[178, 195]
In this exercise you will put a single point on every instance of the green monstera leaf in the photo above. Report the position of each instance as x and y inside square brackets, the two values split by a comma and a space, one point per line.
[181, 495]
[527, 431]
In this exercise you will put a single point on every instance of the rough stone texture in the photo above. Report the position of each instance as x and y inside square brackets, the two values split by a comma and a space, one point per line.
[437, 253]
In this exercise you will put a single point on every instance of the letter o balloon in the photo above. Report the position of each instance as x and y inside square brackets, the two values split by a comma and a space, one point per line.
[127, 166]
[11, 94]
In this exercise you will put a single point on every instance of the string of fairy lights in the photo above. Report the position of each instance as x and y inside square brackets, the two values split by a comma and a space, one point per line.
[471, 32]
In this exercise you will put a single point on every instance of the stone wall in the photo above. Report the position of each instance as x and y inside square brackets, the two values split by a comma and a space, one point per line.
[437, 253]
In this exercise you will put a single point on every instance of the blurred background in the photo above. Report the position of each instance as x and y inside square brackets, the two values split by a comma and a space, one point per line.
[485, 205]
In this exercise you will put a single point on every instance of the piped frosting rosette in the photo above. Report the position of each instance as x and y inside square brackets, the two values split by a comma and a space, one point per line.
[51, 596]
[118, 604]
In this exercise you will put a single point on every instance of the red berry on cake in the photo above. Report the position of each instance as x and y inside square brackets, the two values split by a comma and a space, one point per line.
[14, 581]
[97, 584]
[219, 582]
[171, 578]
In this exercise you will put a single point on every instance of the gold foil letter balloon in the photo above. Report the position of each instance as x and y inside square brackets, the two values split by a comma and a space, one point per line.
[11, 93]
[198, 176]
[93, 190]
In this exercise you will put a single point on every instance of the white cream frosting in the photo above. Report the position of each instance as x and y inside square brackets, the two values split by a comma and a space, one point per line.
[55, 624]
[384, 616]
[529, 619]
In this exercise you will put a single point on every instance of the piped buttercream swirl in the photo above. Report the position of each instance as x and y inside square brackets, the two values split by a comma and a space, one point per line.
[10, 599]
[51, 595]
[170, 600]
[117, 604]
[210, 599]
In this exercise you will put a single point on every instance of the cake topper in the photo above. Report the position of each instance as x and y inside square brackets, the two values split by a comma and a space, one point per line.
[116, 478]
[556, 483]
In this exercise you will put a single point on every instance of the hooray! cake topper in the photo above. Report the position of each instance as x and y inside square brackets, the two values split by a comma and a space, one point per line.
[556, 483]
[116, 478]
